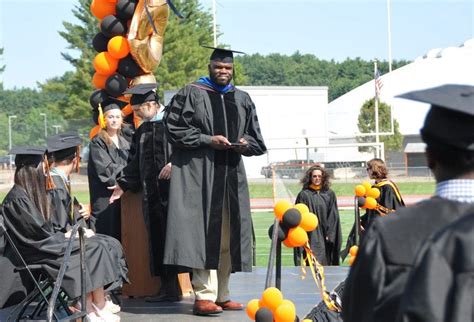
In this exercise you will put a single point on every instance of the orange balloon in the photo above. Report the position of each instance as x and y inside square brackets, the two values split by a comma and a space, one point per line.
[297, 236]
[309, 221]
[367, 185]
[353, 250]
[359, 190]
[105, 64]
[272, 298]
[98, 80]
[252, 307]
[373, 192]
[287, 243]
[94, 131]
[280, 207]
[285, 313]
[102, 8]
[112, 1]
[370, 203]
[127, 110]
[118, 47]
[124, 98]
[302, 208]
[351, 260]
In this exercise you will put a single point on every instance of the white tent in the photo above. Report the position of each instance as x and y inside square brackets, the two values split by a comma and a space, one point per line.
[452, 65]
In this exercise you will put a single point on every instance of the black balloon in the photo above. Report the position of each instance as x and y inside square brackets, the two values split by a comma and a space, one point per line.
[291, 218]
[263, 315]
[282, 232]
[95, 116]
[116, 84]
[129, 68]
[98, 97]
[125, 9]
[112, 26]
[361, 201]
[100, 42]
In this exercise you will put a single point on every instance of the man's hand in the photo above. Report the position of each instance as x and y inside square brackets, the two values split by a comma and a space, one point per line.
[85, 211]
[165, 172]
[116, 194]
[220, 142]
[241, 148]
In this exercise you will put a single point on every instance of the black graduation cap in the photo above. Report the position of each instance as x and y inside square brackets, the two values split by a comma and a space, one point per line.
[112, 103]
[222, 54]
[450, 120]
[28, 155]
[63, 145]
[142, 93]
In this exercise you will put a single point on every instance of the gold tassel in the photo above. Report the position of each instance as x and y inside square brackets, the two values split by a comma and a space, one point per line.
[49, 180]
[101, 118]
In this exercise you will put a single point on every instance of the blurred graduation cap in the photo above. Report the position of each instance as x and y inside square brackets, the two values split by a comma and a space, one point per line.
[222, 54]
[450, 120]
[109, 103]
[143, 93]
[63, 145]
[28, 155]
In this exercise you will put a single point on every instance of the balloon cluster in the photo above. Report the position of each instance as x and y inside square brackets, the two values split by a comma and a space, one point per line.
[294, 223]
[271, 307]
[114, 66]
[366, 195]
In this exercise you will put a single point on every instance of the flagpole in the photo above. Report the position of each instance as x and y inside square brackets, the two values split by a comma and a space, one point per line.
[389, 36]
[377, 138]
[214, 23]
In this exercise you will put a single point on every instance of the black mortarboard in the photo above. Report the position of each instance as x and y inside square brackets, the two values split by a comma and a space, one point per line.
[222, 54]
[112, 103]
[63, 145]
[28, 155]
[142, 93]
[450, 120]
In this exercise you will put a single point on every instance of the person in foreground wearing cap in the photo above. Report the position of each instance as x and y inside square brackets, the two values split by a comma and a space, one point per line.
[63, 160]
[376, 281]
[148, 169]
[27, 215]
[211, 124]
[108, 154]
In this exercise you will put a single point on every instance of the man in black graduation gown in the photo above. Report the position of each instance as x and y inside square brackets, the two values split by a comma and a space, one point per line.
[148, 169]
[379, 274]
[211, 124]
[441, 285]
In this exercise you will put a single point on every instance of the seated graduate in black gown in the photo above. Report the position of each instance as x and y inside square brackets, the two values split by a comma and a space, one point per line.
[27, 214]
[63, 160]
[386, 256]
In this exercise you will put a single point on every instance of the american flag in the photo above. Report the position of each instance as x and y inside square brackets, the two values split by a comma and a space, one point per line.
[378, 83]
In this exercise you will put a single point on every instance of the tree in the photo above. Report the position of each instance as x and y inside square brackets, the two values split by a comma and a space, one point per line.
[2, 67]
[367, 125]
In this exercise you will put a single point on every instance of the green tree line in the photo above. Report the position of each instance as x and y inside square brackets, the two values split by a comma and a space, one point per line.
[65, 98]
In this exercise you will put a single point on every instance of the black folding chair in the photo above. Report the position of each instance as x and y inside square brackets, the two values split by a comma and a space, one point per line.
[45, 285]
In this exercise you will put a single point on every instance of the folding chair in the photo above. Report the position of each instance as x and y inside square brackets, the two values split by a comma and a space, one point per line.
[44, 284]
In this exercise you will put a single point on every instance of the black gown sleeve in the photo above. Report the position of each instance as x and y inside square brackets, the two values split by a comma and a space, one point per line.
[178, 120]
[365, 281]
[129, 178]
[252, 133]
[333, 230]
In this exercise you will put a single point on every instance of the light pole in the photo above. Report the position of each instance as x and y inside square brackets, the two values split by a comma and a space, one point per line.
[45, 125]
[56, 127]
[10, 117]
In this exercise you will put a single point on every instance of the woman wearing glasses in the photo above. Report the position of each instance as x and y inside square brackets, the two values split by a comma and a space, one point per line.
[325, 240]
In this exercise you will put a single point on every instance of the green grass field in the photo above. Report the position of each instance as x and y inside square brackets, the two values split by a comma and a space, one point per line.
[263, 220]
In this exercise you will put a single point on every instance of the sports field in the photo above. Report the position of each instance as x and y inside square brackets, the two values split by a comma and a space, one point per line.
[263, 220]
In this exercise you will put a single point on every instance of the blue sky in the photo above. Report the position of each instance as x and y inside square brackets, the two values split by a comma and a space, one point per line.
[329, 29]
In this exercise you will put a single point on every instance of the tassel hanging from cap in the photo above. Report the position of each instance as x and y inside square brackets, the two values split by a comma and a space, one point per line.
[101, 119]
[49, 180]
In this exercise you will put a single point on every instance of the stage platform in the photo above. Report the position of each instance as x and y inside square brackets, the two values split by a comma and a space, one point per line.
[244, 287]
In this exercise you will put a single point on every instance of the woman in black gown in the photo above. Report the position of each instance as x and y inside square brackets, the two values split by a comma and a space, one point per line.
[108, 154]
[27, 214]
[325, 240]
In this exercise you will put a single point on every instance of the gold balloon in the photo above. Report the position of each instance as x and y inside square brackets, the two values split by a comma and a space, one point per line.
[146, 46]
